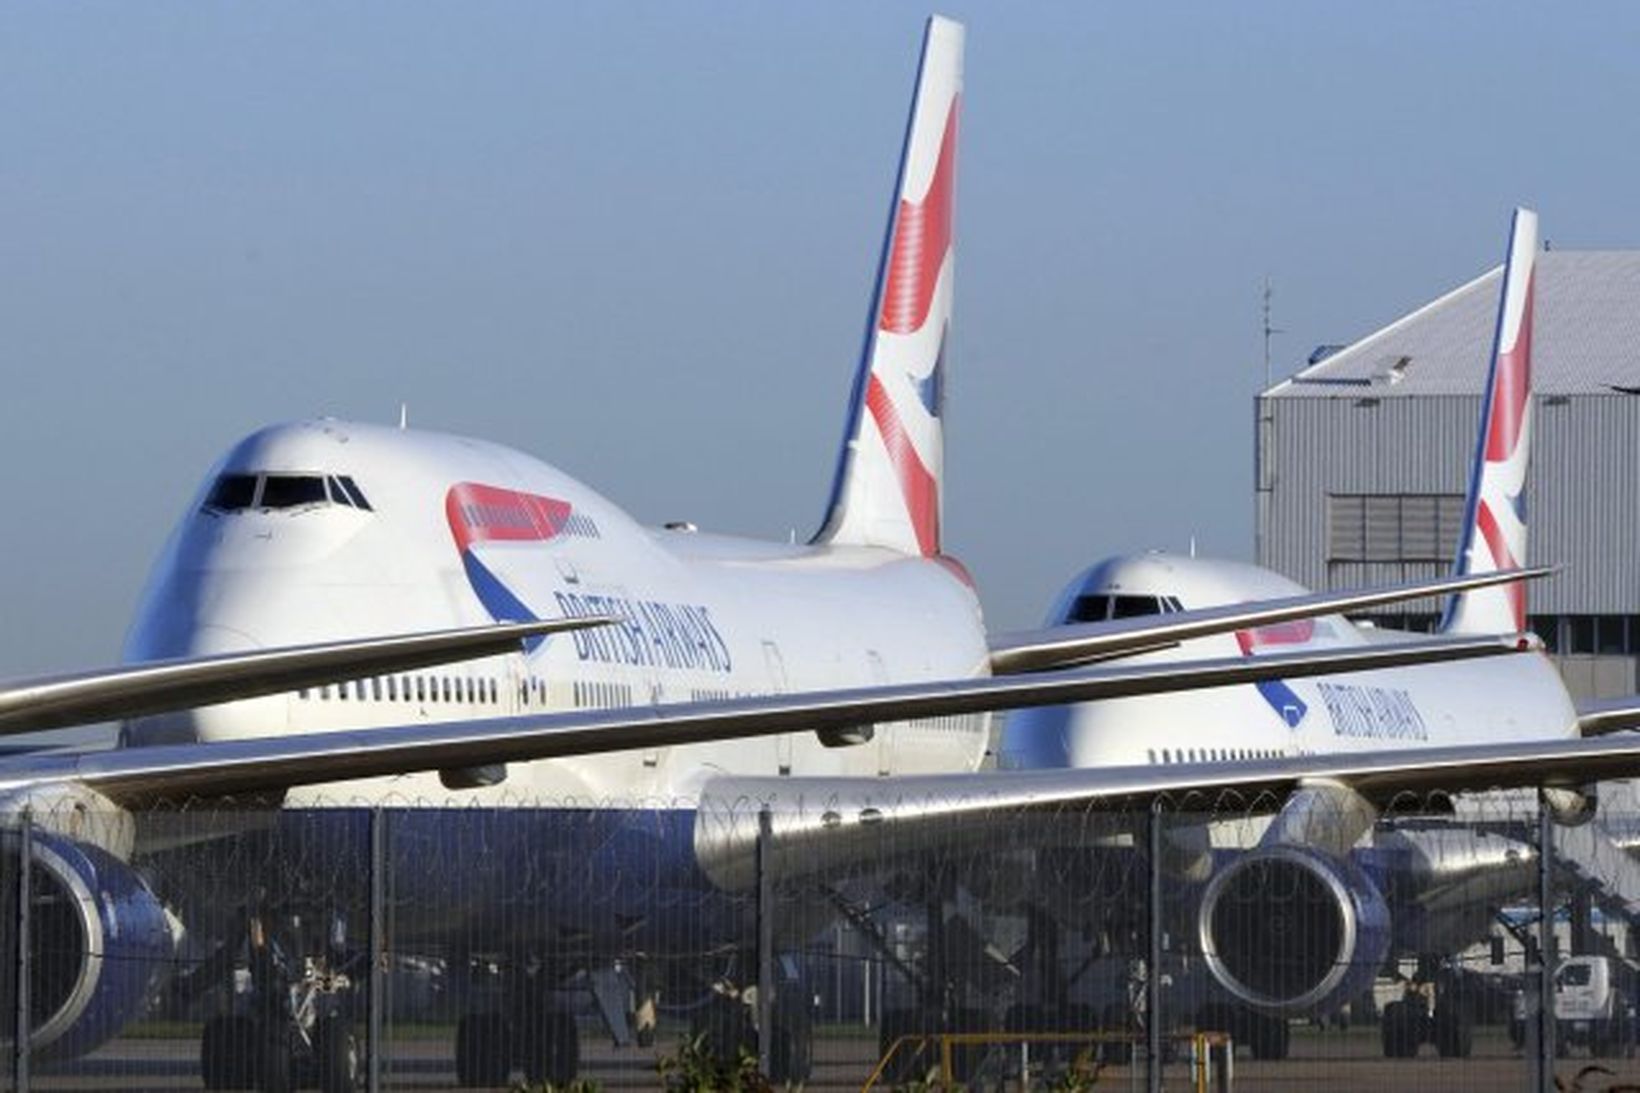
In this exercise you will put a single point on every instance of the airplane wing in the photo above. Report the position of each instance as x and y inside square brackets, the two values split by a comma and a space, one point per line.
[814, 818]
[1606, 715]
[138, 776]
[134, 690]
[1084, 643]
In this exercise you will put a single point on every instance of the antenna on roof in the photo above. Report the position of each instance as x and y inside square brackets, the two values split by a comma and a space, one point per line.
[1269, 291]
[404, 415]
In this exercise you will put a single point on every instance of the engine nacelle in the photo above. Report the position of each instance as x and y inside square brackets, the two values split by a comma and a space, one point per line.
[99, 938]
[1571, 807]
[1291, 931]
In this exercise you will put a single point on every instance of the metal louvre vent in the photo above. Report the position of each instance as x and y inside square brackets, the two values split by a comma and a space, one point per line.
[1393, 527]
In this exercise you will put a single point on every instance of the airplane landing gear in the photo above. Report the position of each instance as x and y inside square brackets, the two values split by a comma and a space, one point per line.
[533, 1032]
[297, 1028]
[730, 1028]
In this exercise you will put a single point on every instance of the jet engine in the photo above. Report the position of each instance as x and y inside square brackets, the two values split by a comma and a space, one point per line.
[98, 938]
[1572, 807]
[1290, 930]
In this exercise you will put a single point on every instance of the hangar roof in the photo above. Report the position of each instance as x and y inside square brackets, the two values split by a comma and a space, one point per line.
[1586, 337]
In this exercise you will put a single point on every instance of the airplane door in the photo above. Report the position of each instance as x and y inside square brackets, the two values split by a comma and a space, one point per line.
[775, 666]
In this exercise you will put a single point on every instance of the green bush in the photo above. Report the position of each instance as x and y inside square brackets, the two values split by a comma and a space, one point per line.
[695, 1068]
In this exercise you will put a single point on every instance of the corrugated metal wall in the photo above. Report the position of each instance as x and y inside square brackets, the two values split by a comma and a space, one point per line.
[1582, 492]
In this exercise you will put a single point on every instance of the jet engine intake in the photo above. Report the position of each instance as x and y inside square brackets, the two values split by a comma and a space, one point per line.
[98, 938]
[1290, 930]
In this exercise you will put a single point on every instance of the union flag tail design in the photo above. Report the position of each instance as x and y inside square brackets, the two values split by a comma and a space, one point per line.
[888, 486]
[1494, 535]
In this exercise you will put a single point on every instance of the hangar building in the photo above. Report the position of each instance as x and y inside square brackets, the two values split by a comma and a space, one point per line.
[1362, 458]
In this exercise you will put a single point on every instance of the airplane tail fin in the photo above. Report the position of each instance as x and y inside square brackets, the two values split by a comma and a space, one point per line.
[889, 482]
[1494, 535]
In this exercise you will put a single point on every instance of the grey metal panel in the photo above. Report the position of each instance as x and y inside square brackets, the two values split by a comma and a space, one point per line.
[1355, 445]
[1586, 337]
[1582, 493]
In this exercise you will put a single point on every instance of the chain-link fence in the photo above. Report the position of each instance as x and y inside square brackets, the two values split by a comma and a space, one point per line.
[1177, 946]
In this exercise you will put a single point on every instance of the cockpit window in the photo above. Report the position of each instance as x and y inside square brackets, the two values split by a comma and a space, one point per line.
[1089, 609]
[236, 492]
[232, 492]
[1099, 606]
[287, 491]
[1132, 607]
[356, 494]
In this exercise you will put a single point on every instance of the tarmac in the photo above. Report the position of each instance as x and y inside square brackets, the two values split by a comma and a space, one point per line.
[1350, 1059]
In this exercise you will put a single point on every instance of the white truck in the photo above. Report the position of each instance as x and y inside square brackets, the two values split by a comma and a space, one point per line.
[1591, 1009]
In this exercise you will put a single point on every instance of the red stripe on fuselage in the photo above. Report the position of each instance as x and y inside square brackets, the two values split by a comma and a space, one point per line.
[1296, 632]
[921, 492]
[922, 236]
[1512, 386]
[480, 514]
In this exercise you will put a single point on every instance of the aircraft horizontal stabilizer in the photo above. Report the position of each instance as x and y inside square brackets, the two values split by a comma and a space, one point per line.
[1085, 643]
[136, 690]
[136, 776]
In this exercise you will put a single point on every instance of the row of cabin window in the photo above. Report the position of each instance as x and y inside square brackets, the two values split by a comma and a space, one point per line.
[1210, 755]
[963, 723]
[408, 689]
[602, 696]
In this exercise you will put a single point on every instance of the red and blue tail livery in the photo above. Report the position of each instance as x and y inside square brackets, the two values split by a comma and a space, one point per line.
[887, 492]
[1494, 535]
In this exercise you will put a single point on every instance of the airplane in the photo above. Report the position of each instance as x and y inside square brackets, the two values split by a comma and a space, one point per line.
[852, 670]
[1242, 897]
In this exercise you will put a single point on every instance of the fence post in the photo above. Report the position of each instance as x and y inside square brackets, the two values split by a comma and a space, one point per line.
[25, 900]
[1546, 947]
[765, 940]
[1153, 961]
[377, 1000]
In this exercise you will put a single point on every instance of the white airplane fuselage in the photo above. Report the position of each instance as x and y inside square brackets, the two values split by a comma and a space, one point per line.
[1475, 702]
[461, 531]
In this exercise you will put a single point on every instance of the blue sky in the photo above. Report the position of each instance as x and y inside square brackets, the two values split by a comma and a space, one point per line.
[637, 240]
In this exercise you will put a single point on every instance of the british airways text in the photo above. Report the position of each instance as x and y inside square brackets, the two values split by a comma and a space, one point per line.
[1384, 713]
[666, 635]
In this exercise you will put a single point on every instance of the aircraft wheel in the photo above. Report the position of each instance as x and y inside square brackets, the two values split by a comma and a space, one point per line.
[274, 1061]
[555, 1054]
[726, 1025]
[227, 1053]
[483, 1050]
[1395, 1029]
[1453, 1034]
[338, 1056]
[1270, 1037]
[791, 1055]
